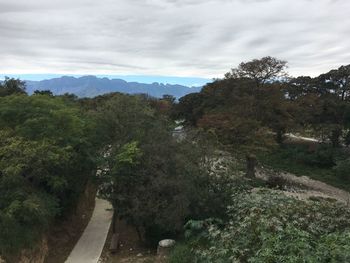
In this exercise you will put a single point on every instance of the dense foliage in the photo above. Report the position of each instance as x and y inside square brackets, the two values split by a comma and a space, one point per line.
[257, 95]
[266, 226]
[50, 146]
[254, 103]
[257, 102]
[154, 181]
[46, 159]
[12, 86]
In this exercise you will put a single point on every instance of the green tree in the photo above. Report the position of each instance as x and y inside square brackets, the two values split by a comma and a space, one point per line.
[189, 108]
[153, 181]
[337, 81]
[122, 118]
[43, 92]
[12, 86]
[322, 103]
[262, 70]
[46, 158]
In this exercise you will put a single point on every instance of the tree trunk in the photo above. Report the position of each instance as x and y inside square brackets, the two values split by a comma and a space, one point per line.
[335, 137]
[251, 163]
[280, 137]
[139, 233]
[114, 246]
[114, 219]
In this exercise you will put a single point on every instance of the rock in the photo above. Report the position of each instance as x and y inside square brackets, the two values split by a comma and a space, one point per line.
[164, 247]
[139, 255]
[166, 243]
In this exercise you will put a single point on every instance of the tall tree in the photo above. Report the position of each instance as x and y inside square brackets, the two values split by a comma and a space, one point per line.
[260, 70]
[46, 159]
[337, 82]
[12, 86]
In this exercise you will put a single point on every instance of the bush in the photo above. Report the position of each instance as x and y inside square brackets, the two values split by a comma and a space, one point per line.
[182, 253]
[155, 182]
[322, 156]
[24, 219]
[342, 169]
[270, 227]
[277, 181]
[46, 158]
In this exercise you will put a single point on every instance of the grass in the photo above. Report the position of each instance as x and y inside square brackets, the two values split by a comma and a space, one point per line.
[301, 161]
[182, 253]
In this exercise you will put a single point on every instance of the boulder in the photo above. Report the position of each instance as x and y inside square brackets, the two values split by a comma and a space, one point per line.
[164, 247]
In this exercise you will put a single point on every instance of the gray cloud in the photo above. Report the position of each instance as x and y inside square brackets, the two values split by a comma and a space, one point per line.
[171, 37]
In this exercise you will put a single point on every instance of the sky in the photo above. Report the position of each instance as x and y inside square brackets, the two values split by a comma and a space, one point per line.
[188, 41]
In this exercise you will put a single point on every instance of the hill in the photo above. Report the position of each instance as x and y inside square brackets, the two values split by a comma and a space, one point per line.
[91, 86]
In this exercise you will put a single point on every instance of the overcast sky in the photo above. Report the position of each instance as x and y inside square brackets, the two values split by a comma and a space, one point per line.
[195, 38]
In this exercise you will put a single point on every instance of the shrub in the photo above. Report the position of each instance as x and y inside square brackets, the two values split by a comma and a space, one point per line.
[155, 182]
[182, 253]
[277, 181]
[320, 156]
[270, 227]
[46, 158]
[342, 169]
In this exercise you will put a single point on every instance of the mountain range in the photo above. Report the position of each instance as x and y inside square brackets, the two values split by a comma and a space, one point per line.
[91, 86]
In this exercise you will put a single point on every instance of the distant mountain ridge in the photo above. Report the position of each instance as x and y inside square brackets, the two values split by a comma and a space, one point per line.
[91, 86]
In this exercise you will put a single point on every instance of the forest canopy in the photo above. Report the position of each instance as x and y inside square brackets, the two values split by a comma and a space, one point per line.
[186, 169]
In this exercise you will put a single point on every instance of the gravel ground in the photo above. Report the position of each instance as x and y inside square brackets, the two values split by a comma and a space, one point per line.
[304, 187]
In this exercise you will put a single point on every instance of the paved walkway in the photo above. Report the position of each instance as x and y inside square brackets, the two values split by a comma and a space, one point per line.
[91, 243]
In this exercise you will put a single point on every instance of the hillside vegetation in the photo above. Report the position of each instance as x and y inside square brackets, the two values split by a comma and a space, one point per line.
[198, 187]
[251, 113]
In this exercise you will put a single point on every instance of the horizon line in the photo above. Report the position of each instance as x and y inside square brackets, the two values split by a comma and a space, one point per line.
[147, 79]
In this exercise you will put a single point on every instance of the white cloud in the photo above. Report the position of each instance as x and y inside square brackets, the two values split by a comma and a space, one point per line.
[171, 37]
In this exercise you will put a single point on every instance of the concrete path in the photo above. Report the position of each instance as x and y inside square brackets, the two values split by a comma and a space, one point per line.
[91, 243]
